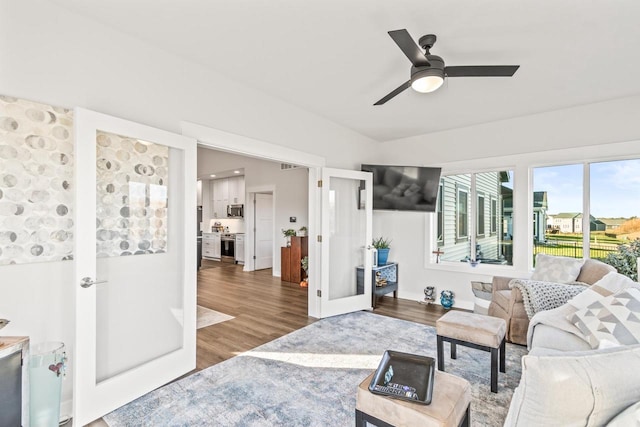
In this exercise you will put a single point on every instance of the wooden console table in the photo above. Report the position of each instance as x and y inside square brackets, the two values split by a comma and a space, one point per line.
[290, 257]
[389, 272]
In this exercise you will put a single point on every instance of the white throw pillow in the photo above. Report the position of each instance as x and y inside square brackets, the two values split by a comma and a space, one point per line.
[612, 320]
[556, 269]
[587, 388]
[610, 284]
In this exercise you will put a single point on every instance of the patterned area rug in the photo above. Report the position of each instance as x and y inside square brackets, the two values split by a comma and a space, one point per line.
[208, 317]
[309, 378]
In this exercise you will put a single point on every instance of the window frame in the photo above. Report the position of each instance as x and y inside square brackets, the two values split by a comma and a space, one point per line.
[493, 215]
[466, 190]
[440, 215]
[480, 214]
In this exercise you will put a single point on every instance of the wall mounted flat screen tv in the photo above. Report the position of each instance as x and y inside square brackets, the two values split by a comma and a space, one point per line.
[404, 188]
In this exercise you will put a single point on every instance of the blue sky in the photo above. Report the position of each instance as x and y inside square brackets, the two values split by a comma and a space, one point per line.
[615, 188]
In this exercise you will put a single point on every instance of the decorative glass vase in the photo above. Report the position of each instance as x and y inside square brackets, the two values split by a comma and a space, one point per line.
[446, 299]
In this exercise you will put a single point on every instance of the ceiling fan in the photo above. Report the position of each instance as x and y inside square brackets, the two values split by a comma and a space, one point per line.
[428, 71]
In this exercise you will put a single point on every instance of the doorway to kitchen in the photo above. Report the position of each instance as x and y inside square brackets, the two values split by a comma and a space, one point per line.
[263, 230]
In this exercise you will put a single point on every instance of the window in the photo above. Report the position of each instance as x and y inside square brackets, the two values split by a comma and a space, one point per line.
[561, 223]
[557, 210]
[462, 213]
[480, 214]
[440, 209]
[494, 215]
[493, 195]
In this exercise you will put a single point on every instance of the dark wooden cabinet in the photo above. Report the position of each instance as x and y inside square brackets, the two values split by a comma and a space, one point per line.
[13, 401]
[290, 257]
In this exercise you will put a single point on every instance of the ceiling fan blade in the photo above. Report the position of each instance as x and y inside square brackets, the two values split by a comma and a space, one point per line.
[409, 47]
[394, 92]
[481, 71]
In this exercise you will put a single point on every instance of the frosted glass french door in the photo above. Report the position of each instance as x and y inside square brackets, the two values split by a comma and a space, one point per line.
[346, 241]
[135, 279]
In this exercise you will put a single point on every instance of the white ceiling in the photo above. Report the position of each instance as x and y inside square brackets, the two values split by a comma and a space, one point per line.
[334, 57]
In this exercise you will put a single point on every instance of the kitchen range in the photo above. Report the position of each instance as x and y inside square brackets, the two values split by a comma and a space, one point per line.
[223, 246]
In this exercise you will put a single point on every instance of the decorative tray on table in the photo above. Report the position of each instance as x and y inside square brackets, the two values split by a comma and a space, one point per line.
[404, 376]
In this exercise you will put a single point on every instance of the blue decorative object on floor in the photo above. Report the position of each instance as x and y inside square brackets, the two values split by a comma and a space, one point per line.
[446, 299]
[310, 377]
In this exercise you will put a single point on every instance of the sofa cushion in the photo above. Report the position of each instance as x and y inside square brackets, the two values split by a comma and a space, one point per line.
[556, 269]
[612, 320]
[598, 389]
[551, 338]
[608, 285]
[628, 417]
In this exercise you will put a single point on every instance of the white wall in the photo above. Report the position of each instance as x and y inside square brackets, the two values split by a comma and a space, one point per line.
[412, 232]
[291, 188]
[56, 57]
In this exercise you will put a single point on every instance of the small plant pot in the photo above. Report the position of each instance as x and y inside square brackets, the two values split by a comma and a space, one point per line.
[383, 256]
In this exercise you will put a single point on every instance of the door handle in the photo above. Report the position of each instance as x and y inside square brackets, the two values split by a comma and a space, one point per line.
[87, 282]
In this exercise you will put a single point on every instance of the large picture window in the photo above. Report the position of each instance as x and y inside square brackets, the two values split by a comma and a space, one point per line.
[488, 237]
[558, 208]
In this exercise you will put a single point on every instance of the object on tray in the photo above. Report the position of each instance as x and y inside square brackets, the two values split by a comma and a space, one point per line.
[404, 376]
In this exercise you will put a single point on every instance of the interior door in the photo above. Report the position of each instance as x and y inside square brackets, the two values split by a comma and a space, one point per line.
[135, 278]
[346, 241]
[263, 217]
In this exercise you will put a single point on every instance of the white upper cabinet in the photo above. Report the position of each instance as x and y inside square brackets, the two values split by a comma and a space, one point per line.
[219, 197]
[226, 191]
[236, 190]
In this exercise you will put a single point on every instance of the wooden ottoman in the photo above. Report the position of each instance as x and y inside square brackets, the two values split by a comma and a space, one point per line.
[476, 331]
[449, 406]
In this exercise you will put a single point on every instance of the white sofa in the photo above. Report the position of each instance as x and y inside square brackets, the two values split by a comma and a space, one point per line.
[565, 380]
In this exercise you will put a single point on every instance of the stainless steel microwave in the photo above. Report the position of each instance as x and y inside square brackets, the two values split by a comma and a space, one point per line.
[235, 211]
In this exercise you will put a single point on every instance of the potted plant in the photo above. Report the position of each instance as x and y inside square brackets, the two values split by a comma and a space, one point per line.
[382, 246]
[302, 231]
[288, 233]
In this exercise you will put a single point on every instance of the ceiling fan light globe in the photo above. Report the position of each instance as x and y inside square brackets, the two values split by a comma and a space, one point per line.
[426, 84]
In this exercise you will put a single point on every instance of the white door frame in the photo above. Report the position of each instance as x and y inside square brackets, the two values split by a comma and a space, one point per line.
[242, 145]
[250, 235]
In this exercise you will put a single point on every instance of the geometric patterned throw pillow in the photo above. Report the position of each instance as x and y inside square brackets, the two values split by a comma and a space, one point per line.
[556, 269]
[611, 321]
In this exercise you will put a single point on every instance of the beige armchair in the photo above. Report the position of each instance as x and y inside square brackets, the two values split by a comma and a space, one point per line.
[507, 303]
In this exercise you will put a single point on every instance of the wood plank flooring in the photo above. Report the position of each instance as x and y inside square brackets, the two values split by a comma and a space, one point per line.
[266, 308]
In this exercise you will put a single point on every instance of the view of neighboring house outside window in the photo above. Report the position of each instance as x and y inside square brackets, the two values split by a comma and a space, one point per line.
[613, 208]
[487, 231]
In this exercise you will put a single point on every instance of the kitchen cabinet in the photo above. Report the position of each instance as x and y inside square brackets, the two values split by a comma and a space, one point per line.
[211, 246]
[239, 248]
[219, 197]
[236, 190]
[226, 191]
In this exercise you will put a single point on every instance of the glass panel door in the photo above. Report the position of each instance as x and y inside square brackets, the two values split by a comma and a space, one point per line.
[346, 241]
[135, 276]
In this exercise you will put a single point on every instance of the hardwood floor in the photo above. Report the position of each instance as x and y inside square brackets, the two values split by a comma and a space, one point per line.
[266, 308]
